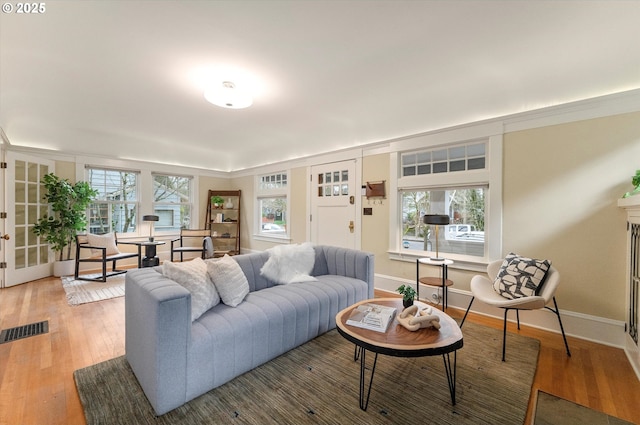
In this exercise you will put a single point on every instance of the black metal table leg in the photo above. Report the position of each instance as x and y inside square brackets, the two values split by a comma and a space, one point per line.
[364, 403]
[451, 374]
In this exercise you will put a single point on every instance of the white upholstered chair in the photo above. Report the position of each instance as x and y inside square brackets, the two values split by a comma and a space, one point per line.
[482, 289]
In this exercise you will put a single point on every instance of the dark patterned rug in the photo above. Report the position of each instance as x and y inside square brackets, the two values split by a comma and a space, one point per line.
[317, 383]
[552, 410]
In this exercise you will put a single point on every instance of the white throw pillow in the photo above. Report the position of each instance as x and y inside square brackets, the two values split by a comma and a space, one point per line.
[229, 279]
[108, 240]
[290, 263]
[193, 276]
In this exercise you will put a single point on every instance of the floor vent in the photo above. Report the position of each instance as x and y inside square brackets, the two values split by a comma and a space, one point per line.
[25, 331]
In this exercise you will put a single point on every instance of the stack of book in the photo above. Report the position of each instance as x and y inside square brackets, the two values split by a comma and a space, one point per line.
[372, 316]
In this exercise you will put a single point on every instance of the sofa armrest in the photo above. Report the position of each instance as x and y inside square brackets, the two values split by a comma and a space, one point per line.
[346, 262]
[158, 332]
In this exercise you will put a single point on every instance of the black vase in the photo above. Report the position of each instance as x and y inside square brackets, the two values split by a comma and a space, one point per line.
[407, 303]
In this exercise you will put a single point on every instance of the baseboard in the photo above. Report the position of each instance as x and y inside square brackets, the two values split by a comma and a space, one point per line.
[591, 328]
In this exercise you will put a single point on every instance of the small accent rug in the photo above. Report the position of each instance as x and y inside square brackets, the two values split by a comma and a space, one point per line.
[552, 410]
[83, 291]
[317, 383]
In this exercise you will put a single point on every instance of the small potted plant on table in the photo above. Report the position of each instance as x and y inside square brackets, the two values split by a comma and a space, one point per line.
[408, 295]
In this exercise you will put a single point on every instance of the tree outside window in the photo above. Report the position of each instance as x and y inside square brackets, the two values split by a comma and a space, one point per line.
[466, 210]
[115, 206]
[172, 202]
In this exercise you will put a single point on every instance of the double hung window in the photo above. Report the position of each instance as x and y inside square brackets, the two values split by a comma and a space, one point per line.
[172, 202]
[115, 208]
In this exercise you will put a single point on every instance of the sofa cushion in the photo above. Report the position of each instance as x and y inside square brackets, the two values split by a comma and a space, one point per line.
[520, 276]
[193, 276]
[108, 240]
[229, 279]
[290, 263]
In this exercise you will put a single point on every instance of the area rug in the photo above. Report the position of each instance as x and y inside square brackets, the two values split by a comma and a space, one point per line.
[82, 291]
[552, 410]
[317, 383]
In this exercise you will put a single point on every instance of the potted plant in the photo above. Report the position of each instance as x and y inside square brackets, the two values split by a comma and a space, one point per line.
[68, 203]
[408, 295]
[217, 201]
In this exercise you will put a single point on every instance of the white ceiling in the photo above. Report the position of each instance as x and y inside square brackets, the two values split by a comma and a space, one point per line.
[123, 78]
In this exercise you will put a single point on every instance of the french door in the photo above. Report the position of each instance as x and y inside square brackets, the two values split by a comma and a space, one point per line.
[27, 257]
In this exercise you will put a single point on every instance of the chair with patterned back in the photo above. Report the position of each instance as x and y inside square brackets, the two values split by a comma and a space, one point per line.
[498, 289]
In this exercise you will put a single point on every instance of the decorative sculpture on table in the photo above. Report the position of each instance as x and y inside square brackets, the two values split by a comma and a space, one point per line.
[424, 319]
[635, 181]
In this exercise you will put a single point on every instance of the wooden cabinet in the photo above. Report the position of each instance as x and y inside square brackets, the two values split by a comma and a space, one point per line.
[224, 220]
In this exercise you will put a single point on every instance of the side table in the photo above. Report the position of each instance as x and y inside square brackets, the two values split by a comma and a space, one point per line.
[443, 282]
[150, 259]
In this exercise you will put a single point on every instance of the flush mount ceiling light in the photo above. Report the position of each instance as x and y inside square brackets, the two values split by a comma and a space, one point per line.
[227, 95]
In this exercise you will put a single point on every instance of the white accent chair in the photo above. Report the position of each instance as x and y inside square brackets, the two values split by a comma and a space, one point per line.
[482, 289]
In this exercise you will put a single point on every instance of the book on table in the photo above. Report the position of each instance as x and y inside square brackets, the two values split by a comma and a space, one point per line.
[372, 316]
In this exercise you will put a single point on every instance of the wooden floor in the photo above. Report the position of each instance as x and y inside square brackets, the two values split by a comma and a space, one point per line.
[37, 387]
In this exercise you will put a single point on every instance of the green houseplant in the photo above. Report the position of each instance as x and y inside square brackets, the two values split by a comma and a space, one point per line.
[67, 214]
[408, 295]
[217, 201]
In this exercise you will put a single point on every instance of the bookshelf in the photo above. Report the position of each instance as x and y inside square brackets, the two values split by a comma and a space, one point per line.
[224, 220]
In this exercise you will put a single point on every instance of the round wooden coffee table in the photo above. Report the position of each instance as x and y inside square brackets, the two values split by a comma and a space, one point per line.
[400, 342]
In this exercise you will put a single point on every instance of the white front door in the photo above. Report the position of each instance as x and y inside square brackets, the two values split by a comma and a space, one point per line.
[27, 257]
[334, 202]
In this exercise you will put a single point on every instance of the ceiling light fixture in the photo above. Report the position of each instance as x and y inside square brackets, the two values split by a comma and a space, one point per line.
[228, 96]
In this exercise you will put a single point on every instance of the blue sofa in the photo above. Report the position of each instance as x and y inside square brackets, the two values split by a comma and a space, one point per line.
[176, 360]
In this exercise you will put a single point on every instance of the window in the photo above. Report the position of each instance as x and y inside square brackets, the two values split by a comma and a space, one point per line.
[444, 160]
[462, 181]
[272, 202]
[172, 202]
[115, 207]
[466, 210]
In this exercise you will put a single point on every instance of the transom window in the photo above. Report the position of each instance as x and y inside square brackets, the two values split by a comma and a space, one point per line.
[444, 160]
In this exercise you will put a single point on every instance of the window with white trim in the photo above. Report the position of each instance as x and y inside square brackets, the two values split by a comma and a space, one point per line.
[115, 208]
[453, 180]
[465, 207]
[172, 202]
[272, 200]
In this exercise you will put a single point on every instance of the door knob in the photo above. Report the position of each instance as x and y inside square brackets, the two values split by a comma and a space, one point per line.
[351, 226]
[5, 237]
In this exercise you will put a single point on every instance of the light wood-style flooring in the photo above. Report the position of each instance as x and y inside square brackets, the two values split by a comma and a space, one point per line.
[36, 373]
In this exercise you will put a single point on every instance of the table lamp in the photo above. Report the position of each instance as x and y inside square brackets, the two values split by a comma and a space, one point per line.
[150, 218]
[437, 220]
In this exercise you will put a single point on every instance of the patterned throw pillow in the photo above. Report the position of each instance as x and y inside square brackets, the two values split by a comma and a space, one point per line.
[520, 276]
[229, 279]
[193, 276]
